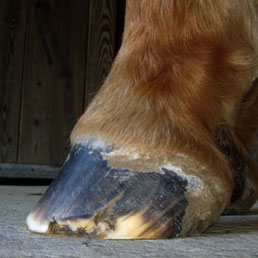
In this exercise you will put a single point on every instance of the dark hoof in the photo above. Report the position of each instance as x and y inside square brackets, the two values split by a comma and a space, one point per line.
[93, 197]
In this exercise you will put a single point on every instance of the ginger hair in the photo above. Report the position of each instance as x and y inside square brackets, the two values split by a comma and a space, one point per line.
[181, 72]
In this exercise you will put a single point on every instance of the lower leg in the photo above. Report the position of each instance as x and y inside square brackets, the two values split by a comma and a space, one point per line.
[144, 163]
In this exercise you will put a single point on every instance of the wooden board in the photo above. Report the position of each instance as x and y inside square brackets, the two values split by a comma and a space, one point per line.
[27, 171]
[39, 104]
[13, 17]
[38, 86]
[68, 95]
[101, 44]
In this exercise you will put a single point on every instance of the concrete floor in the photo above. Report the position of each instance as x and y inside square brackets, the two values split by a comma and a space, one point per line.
[232, 236]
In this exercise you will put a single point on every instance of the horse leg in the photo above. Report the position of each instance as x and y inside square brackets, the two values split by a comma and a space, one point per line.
[147, 159]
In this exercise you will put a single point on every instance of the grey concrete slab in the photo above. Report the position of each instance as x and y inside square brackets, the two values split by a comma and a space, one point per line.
[232, 236]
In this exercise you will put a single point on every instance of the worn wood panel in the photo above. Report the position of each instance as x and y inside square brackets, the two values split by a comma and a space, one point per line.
[83, 37]
[27, 171]
[38, 86]
[101, 44]
[70, 74]
[13, 14]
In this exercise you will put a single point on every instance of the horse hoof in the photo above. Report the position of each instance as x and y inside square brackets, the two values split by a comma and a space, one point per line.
[105, 193]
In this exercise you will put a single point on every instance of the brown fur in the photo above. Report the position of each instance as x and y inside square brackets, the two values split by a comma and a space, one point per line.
[183, 70]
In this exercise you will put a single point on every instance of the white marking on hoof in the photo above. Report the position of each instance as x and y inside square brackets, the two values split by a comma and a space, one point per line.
[35, 225]
[131, 227]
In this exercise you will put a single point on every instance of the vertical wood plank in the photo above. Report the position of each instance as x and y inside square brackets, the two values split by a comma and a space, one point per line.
[70, 74]
[13, 14]
[120, 21]
[101, 44]
[38, 86]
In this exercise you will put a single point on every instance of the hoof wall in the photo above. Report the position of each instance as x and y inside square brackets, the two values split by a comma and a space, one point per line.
[94, 199]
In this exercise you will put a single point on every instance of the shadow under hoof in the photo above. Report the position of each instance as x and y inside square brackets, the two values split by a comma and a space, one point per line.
[234, 225]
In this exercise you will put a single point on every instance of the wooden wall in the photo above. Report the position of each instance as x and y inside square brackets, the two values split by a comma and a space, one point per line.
[40, 103]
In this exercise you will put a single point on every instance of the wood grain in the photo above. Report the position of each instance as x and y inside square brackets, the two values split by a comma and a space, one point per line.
[38, 87]
[39, 104]
[27, 171]
[101, 44]
[70, 74]
[13, 14]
